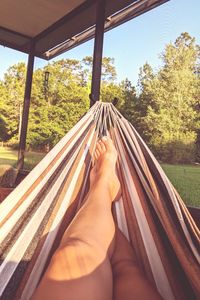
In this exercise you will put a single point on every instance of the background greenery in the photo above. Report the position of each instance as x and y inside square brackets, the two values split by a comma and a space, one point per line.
[164, 107]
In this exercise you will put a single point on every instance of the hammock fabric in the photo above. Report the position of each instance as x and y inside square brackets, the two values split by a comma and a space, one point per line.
[150, 212]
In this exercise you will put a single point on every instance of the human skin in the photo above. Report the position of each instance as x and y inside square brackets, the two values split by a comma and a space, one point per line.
[85, 263]
[128, 280]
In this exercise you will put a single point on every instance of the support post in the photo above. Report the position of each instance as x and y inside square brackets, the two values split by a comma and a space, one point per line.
[98, 51]
[25, 113]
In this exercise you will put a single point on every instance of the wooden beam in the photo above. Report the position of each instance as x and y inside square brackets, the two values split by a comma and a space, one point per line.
[25, 114]
[98, 51]
[13, 46]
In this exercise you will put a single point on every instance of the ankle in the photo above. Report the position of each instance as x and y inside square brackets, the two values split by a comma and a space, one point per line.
[100, 183]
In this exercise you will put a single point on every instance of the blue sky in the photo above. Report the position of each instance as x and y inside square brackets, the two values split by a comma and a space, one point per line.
[133, 43]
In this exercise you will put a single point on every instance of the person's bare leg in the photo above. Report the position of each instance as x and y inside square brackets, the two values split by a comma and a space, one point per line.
[128, 281]
[80, 268]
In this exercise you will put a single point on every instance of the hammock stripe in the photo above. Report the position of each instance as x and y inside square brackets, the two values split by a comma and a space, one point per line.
[150, 212]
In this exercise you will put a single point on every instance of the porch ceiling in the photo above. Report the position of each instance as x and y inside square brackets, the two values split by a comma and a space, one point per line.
[57, 26]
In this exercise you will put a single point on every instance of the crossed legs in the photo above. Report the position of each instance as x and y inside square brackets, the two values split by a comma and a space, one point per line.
[128, 281]
[81, 266]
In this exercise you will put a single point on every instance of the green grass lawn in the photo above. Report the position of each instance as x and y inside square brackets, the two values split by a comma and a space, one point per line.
[185, 178]
[8, 156]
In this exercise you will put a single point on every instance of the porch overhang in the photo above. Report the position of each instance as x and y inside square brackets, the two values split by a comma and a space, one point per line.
[57, 26]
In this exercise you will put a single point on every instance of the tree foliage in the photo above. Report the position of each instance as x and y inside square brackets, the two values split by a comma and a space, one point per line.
[165, 110]
[54, 109]
[11, 100]
[168, 101]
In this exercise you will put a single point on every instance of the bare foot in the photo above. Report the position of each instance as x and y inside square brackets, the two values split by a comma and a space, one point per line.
[105, 156]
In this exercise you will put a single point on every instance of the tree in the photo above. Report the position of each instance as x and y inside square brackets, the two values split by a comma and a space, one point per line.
[129, 107]
[52, 115]
[109, 88]
[56, 108]
[3, 124]
[168, 100]
[108, 72]
[11, 99]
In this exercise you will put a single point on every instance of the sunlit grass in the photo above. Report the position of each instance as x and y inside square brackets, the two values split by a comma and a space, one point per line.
[185, 178]
[8, 156]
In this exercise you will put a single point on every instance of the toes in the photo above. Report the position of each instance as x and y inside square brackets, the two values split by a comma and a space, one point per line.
[107, 143]
[99, 147]
[95, 156]
[97, 153]
[98, 150]
[103, 148]
[103, 145]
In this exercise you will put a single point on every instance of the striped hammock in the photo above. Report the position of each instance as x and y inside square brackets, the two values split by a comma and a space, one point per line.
[150, 212]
